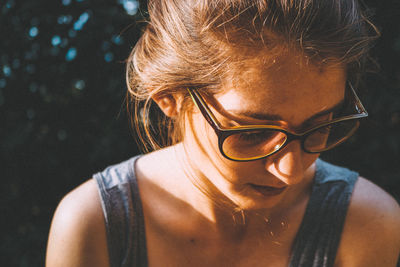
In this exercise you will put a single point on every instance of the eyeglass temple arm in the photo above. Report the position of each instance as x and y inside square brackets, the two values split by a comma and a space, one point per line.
[209, 116]
[358, 101]
[202, 106]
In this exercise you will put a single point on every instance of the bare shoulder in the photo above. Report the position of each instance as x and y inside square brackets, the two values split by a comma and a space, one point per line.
[77, 234]
[371, 234]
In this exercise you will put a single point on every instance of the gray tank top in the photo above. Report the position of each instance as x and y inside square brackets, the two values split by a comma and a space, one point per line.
[315, 244]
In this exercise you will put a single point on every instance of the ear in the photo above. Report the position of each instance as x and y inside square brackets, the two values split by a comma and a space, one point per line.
[168, 103]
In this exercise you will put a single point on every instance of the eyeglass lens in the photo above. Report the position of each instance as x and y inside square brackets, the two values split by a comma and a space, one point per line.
[253, 143]
[327, 137]
[262, 142]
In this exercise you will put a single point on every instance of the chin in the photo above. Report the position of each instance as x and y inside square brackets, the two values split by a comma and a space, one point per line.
[257, 201]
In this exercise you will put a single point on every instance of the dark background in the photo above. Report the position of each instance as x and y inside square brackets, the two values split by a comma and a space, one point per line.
[62, 117]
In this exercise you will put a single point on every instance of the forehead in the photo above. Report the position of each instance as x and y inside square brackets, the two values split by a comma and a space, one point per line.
[285, 85]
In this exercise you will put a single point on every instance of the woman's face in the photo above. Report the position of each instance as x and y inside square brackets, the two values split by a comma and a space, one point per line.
[284, 91]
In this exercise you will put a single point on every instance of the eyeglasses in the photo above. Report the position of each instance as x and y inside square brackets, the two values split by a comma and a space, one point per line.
[253, 142]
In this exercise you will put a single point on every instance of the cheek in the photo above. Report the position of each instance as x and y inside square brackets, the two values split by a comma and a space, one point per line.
[308, 159]
[203, 143]
[201, 138]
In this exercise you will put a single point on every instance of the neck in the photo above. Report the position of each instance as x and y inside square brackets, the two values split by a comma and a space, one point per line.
[227, 218]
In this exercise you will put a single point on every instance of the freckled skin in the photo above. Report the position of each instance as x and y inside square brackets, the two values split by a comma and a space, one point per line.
[289, 88]
[198, 207]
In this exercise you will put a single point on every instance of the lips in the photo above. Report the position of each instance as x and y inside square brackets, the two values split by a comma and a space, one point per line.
[268, 190]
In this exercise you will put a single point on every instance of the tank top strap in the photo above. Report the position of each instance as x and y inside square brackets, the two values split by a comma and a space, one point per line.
[123, 214]
[315, 244]
[319, 234]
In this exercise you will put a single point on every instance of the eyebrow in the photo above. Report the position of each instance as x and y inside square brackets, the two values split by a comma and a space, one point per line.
[339, 106]
[276, 117]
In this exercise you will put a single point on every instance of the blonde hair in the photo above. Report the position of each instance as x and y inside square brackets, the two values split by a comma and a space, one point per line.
[190, 43]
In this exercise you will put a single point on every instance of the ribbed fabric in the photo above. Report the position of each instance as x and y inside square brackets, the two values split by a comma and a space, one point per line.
[315, 244]
[319, 234]
[123, 215]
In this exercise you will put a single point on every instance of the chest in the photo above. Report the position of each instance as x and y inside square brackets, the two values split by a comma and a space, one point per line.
[257, 253]
[268, 247]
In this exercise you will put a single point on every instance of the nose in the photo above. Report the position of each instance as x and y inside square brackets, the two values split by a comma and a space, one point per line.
[287, 164]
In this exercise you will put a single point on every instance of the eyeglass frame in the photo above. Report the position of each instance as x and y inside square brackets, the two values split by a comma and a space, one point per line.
[223, 133]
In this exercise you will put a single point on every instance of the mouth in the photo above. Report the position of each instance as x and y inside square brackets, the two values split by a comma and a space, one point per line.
[268, 190]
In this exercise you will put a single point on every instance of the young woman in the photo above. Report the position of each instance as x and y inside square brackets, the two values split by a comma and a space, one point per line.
[252, 93]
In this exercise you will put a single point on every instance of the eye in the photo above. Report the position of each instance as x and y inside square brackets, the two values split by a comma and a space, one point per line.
[256, 136]
[251, 136]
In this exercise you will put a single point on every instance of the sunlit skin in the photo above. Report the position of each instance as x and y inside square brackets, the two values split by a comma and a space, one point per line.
[238, 225]
[292, 92]
[288, 91]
